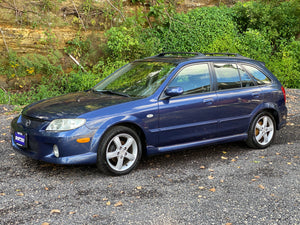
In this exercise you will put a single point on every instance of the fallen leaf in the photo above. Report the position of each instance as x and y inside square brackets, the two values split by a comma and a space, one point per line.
[228, 223]
[105, 199]
[20, 194]
[46, 188]
[55, 211]
[257, 177]
[211, 170]
[277, 153]
[210, 177]
[262, 157]
[224, 152]
[223, 157]
[261, 186]
[118, 204]
[94, 216]
[201, 187]
[212, 189]
[2, 141]
[12, 154]
[139, 187]
[108, 203]
[71, 213]
[2, 194]
[158, 175]
[222, 181]
[202, 167]
[45, 223]
[199, 196]
[256, 161]
[289, 163]
[233, 160]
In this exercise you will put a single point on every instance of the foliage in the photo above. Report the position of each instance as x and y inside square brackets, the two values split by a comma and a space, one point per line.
[263, 30]
[198, 30]
[132, 40]
[278, 20]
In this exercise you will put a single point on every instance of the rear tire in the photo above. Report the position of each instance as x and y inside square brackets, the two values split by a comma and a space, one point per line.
[119, 152]
[262, 131]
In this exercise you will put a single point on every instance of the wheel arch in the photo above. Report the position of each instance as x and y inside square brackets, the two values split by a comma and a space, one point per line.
[134, 127]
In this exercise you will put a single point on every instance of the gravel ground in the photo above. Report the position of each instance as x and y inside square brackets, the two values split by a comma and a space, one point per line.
[220, 184]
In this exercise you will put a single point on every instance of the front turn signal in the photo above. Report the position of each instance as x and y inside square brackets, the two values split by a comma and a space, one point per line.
[83, 140]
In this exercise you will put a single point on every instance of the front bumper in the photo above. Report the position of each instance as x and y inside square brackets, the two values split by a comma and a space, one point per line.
[40, 144]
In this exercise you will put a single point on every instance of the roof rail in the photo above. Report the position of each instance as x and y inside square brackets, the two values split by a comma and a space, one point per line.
[179, 53]
[225, 54]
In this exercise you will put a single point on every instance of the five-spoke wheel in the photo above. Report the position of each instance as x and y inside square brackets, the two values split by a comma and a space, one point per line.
[262, 131]
[120, 151]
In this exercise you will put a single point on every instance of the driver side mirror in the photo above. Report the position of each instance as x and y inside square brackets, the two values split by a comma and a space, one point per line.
[174, 91]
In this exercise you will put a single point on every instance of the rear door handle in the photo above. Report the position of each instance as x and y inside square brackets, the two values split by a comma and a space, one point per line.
[255, 94]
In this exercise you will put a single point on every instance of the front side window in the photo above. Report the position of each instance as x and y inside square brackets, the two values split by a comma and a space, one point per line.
[227, 76]
[193, 79]
[259, 77]
[137, 79]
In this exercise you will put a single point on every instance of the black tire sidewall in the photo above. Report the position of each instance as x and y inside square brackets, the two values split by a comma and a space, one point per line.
[102, 163]
[251, 141]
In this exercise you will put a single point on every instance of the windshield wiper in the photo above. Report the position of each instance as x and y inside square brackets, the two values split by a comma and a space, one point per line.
[111, 92]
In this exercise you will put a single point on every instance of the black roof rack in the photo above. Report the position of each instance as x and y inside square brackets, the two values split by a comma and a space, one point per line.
[222, 54]
[179, 53]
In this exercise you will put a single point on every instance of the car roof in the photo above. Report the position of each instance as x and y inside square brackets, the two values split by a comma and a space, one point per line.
[179, 57]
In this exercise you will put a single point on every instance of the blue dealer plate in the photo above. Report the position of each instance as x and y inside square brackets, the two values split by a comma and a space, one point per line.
[20, 139]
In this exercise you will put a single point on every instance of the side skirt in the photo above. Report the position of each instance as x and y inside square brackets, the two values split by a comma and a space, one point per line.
[151, 150]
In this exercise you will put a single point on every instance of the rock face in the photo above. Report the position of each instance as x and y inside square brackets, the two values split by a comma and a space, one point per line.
[23, 39]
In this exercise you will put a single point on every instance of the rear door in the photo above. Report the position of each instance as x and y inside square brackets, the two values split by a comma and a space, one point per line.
[238, 96]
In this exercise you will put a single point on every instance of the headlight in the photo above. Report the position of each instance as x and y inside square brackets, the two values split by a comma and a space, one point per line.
[65, 124]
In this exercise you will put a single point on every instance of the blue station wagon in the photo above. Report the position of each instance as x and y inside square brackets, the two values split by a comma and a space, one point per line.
[159, 104]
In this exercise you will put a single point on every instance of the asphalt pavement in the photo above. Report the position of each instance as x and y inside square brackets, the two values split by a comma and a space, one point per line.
[219, 184]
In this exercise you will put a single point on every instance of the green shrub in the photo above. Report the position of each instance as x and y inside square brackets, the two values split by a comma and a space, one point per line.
[277, 19]
[200, 29]
[286, 65]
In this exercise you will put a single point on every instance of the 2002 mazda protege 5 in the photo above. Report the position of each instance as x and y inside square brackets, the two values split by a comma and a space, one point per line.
[159, 104]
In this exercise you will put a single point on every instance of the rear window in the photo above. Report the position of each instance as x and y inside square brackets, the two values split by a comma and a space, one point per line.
[258, 76]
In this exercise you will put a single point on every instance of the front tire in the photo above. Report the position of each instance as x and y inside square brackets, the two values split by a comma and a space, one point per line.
[120, 151]
[262, 131]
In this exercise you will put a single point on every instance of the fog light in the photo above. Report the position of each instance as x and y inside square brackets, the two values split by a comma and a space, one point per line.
[55, 151]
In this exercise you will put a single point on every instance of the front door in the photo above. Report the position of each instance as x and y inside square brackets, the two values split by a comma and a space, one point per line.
[191, 116]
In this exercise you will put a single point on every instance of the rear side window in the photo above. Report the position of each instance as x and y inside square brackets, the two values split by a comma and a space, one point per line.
[259, 77]
[245, 78]
[193, 79]
[227, 76]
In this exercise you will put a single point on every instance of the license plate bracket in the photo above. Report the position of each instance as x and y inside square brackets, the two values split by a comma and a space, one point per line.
[21, 139]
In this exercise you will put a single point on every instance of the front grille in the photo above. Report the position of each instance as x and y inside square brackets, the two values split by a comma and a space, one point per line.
[31, 123]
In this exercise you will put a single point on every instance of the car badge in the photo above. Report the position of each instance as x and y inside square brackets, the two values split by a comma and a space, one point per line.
[27, 123]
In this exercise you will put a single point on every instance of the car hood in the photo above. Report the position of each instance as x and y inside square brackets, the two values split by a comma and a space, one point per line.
[72, 105]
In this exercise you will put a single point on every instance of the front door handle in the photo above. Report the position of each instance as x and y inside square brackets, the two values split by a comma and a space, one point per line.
[208, 101]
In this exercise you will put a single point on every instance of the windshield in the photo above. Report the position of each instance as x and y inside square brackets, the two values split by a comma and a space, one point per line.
[137, 79]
